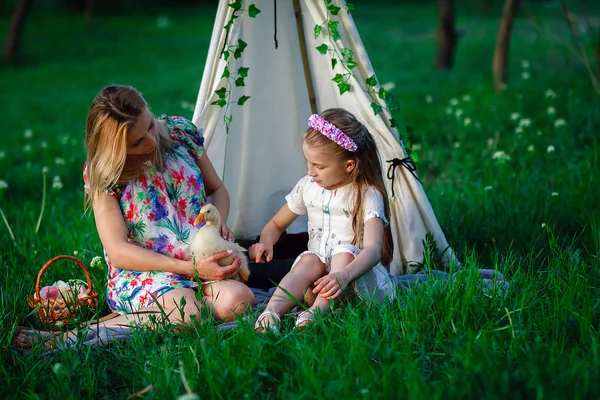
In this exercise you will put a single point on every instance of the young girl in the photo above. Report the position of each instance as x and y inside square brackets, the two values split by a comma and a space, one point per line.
[146, 179]
[349, 236]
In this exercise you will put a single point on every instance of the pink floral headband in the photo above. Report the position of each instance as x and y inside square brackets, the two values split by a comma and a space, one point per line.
[332, 132]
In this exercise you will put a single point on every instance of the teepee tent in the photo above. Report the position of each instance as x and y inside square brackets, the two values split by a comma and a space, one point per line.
[256, 147]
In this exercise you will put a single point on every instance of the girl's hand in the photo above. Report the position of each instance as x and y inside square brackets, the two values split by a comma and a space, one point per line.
[210, 270]
[226, 233]
[331, 285]
[261, 253]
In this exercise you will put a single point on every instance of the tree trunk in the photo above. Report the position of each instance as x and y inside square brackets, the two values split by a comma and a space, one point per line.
[13, 37]
[503, 43]
[446, 35]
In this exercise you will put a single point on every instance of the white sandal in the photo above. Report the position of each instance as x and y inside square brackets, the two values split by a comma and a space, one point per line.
[272, 326]
[304, 319]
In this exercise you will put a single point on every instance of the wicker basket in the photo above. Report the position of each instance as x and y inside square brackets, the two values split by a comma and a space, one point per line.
[53, 311]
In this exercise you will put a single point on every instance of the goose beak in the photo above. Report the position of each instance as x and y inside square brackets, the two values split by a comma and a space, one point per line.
[200, 219]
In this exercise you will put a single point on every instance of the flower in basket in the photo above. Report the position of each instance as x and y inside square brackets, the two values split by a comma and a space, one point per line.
[70, 290]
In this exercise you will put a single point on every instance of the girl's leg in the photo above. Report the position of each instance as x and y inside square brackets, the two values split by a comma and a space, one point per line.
[338, 262]
[227, 299]
[308, 269]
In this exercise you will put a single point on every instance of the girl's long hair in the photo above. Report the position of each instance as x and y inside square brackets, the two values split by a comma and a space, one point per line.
[367, 173]
[112, 113]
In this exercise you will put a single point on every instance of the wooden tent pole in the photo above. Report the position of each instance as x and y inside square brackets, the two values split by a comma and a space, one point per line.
[307, 75]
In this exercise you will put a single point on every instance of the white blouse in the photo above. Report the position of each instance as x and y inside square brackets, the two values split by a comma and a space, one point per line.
[330, 213]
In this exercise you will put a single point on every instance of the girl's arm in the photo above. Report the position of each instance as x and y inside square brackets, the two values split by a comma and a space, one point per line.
[332, 284]
[113, 235]
[220, 196]
[271, 233]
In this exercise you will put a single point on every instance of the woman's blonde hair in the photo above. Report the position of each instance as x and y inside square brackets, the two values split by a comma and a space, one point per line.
[112, 114]
[367, 173]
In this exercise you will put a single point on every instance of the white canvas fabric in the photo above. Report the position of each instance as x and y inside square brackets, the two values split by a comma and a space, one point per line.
[260, 159]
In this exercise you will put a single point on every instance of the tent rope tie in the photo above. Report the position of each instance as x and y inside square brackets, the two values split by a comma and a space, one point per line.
[407, 163]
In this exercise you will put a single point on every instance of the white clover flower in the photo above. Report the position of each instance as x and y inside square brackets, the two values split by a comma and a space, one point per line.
[554, 194]
[27, 148]
[525, 75]
[456, 144]
[428, 99]
[467, 121]
[184, 104]
[44, 170]
[389, 85]
[458, 113]
[539, 132]
[525, 122]
[75, 253]
[500, 155]
[453, 102]
[551, 110]
[162, 22]
[96, 262]
[59, 161]
[514, 116]
[544, 225]
[2, 154]
[519, 129]
[28, 133]
[466, 97]
[549, 94]
[56, 183]
[64, 139]
[550, 149]
[448, 110]
[524, 64]
[3, 184]
[530, 148]
[559, 122]
[44, 145]
[487, 188]
[416, 146]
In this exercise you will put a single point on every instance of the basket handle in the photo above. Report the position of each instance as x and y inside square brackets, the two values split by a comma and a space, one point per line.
[50, 262]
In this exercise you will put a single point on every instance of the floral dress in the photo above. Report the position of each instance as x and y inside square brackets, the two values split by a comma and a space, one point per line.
[159, 209]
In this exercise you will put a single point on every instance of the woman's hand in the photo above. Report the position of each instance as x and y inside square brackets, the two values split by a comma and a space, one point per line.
[331, 285]
[210, 270]
[226, 233]
[261, 253]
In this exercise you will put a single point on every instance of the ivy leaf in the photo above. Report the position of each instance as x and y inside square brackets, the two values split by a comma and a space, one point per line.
[243, 72]
[339, 78]
[344, 87]
[333, 29]
[376, 108]
[322, 49]
[237, 53]
[220, 103]
[349, 7]
[351, 63]
[242, 100]
[236, 5]
[228, 119]
[222, 92]
[328, 2]
[333, 63]
[383, 94]
[317, 31]
[225, 72]
[239, 82]
[347, 53]
[242, 45]
[225, 54]
[253, 11]
[334, 10]
[393, 122]
[371, 81]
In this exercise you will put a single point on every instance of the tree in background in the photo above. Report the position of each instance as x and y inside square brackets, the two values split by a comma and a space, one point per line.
[447, 37]
[13, 37]
[503, 43]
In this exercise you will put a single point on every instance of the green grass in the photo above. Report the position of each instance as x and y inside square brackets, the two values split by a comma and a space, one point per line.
[535, 217]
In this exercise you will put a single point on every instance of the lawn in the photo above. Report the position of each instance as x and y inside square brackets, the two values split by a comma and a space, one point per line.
[511, 178]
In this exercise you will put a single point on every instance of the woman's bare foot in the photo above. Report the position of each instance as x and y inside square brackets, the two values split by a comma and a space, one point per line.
[491, 274]
[27, 338]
